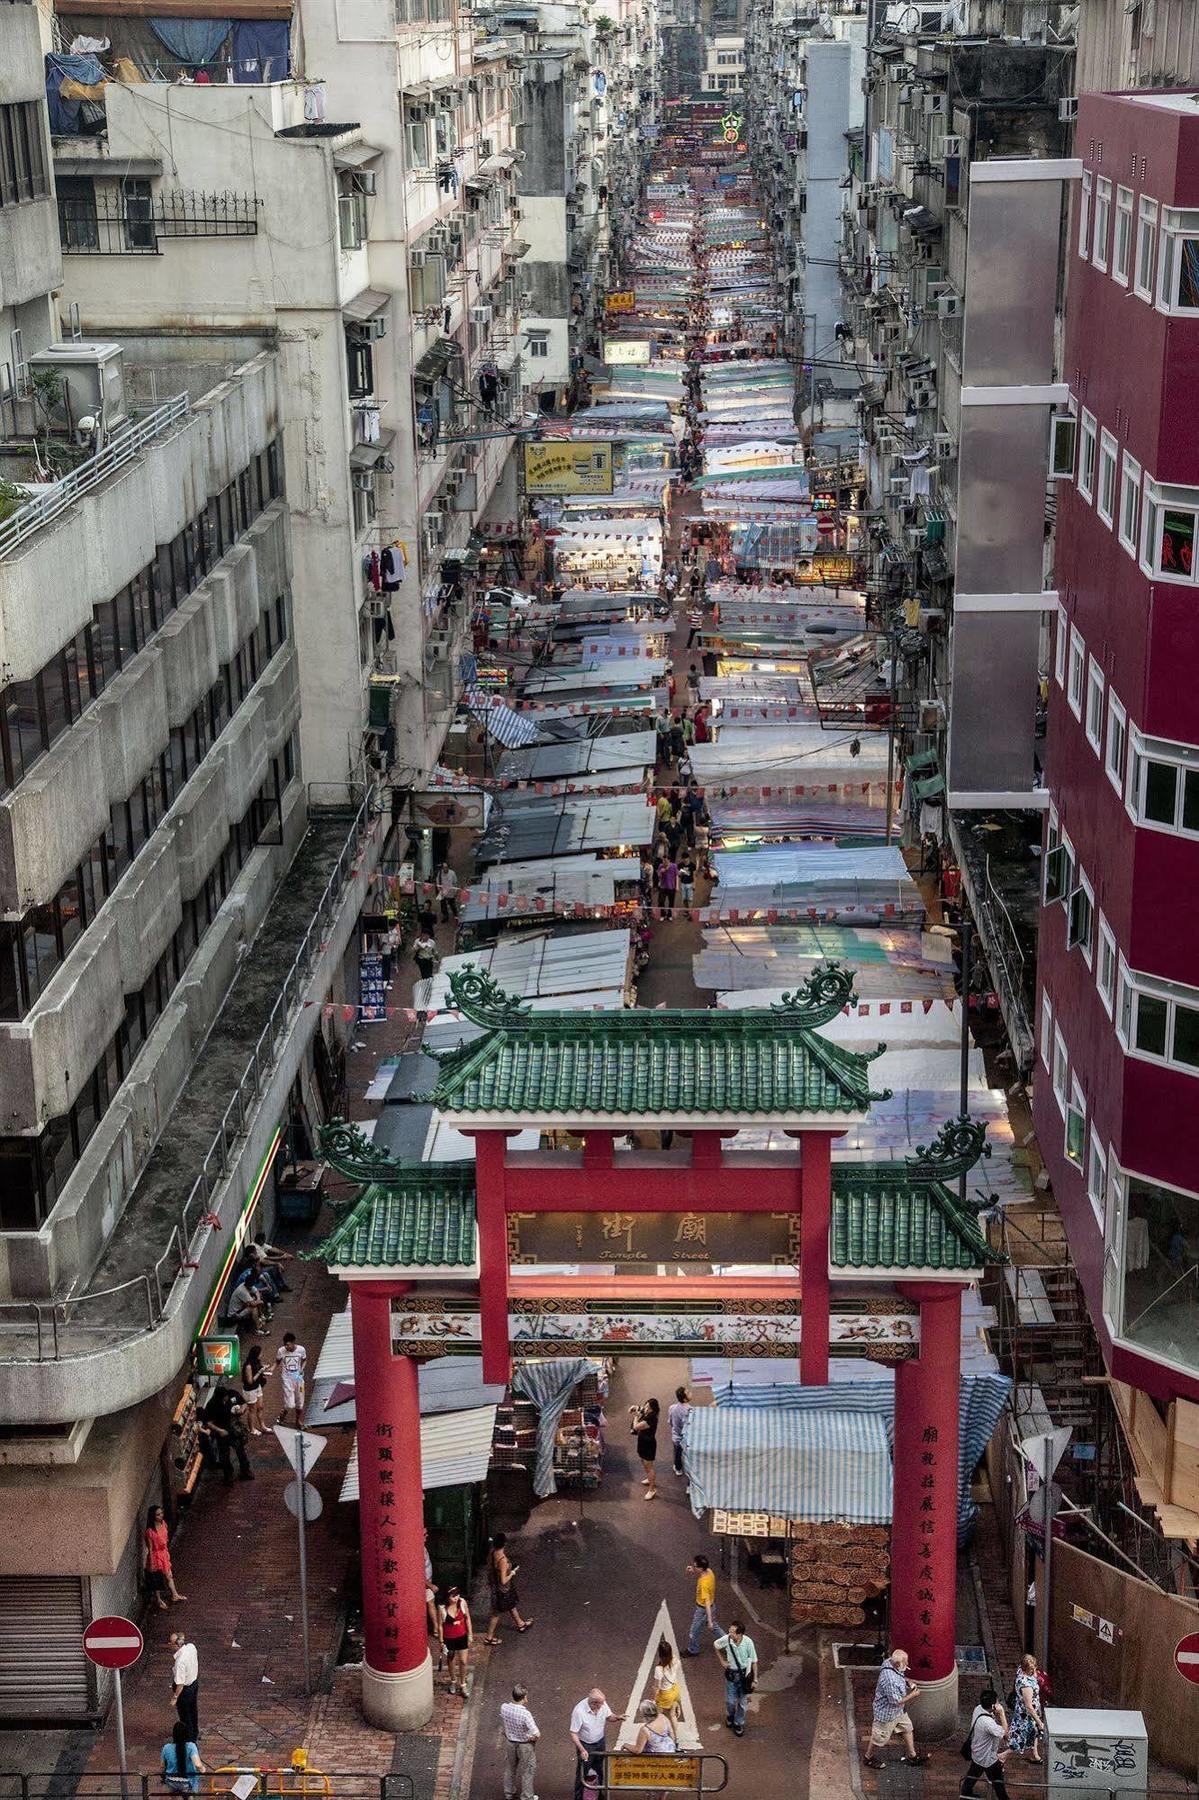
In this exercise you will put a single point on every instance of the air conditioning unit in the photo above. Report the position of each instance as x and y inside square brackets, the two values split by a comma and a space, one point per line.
[385, 466]
[949, 306]
[898, 487]
[1067, 109]
[375, 608]
[923, 398]
[913, 537]
[368, 182]
[364, 480]
[486, 148]
[480, 315]
[934, 103]
[907, 94]
[416, 259]
[951, 146]
[373, 328]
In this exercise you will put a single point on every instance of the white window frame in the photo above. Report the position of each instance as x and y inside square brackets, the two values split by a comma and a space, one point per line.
[1076, 678]
[1088, 455]
[1061, 1070]
[1146, 262]
[1116, 750]
[1122, 242]
[1130, 503]
[1176, 226]
[1059, 647]
[1085, 944]
[1084, 214]
[1103, 223]
[1106, 965]
[1158, 500]
[1096, 1174]
[1046, 1045]
[1131, 989]
[1076, 1108]
[1096, 686]
[1113, 1243]
[1063, 445]
[1106, 482]
[1183, 759]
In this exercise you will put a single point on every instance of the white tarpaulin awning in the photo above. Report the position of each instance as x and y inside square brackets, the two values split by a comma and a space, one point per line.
[455, 1448]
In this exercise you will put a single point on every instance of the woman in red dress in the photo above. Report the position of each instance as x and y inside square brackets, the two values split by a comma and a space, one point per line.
[160, 1577]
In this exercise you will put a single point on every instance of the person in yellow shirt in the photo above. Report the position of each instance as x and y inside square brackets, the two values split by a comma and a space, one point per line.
[705, 1603]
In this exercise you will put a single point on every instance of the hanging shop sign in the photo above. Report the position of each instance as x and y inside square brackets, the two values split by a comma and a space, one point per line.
[635, 351]
[372, 990]
[828, 571]
[557, 468]
[748, 1524]
[574, 1325]
[441, 808]
[620, 302]
[219, 1356]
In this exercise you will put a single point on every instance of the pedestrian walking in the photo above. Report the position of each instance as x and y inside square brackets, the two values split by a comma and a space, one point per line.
[160, 1578]
[181, 1765]
[646, 882]
[686, 901]
[388, 944]
[456, 1634]
[588, 1723]
[447, 892]
[655, 1732]
[988, 1732]
[430, 1593]
[739, 1660]
[892, 1694]
[668, 882]
[185, 1674]
[520, 1746]
[695, 623]
[1028, 1720]
[505, 1602]
[290, 1360]
[667, 1686]
[254, 1377]
[424, 955]
[223, 1415]
[644, 1418]
[705, 1603]
[677, 1413]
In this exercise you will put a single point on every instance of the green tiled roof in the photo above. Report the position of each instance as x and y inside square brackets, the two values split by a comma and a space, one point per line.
[423, 1218]
[637, 1063]
[885, 1218]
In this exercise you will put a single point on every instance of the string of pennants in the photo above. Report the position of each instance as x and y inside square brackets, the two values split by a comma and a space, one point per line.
[714, 790]
[348, 1012]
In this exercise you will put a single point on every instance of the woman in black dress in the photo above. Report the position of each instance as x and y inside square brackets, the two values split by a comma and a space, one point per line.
[644, 1423]
[501, 1578]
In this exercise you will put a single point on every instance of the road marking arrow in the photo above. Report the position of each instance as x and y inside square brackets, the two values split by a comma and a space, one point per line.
[642, 1688]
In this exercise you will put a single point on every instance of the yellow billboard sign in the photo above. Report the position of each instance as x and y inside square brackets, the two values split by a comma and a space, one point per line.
[653, 1772]
[564, 468]
[622, 302]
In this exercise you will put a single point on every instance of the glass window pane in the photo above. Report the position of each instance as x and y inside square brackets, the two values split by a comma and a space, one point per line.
[1161, 785]
[1151, 1025]
[1186, 1035]
[1178, 541]
[1190, 801]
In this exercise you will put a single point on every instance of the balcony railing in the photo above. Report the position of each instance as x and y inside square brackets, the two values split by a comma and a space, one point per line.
[137, 224]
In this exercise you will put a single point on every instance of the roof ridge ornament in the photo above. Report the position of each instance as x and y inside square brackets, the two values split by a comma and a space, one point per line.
[483, 1001]
[827, 991]
[959, 1144]
[350, 1153]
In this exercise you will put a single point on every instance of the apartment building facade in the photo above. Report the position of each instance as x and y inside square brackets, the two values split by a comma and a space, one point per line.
[1118, 1002]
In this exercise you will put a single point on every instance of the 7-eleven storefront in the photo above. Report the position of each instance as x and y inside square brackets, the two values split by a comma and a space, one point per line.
[782, 1253]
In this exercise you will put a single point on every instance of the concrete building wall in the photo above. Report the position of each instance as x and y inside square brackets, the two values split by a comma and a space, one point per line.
[30, 263]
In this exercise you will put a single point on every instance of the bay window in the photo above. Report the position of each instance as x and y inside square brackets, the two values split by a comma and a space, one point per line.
[1169, 519]
[1163, 785]
[1158, 1021]
[1178, 261]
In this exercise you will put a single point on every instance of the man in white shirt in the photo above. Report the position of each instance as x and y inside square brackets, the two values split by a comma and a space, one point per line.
[245, 1303]
[587, 1723]
[291, 1358]
[676, 1418]
[520, 1745]
[988, 1733]
[185, 1676]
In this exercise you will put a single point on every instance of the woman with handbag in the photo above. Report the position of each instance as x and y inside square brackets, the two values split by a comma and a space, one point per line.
[739, 1660]
[643, 1422]
[501, 1575]
[667, 1689]
[181, 1765]
[457, 1634]
[160, 1577]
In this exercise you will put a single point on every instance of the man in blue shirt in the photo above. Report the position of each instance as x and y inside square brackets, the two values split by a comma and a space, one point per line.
[892, 1693]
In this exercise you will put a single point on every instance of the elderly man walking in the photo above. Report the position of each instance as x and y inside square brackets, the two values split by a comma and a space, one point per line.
[588, 1723]
[520, 1746]
[892, 1693]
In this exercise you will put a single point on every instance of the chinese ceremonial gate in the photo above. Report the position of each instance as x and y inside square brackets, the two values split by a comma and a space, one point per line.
[777, 1253]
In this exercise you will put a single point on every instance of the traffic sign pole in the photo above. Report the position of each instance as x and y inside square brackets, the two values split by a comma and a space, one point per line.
[119, 1707]
[115, 1643]
[301, 1510]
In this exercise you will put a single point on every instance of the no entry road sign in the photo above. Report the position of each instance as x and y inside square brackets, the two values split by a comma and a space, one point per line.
[113, 1643]
[1186, 1658]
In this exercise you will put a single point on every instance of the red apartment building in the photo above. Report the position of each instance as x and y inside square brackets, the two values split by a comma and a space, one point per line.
[1117, 1094]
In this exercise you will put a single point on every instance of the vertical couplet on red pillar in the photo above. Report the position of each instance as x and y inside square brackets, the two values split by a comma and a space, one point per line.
[925, 1475]
[815, 1214]
[390, 1498]
[492, 1223]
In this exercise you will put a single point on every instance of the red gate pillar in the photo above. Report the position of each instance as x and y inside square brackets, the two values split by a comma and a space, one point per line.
[815, 1214]
[492, 1224]
[397, 1674]
[924, 1542]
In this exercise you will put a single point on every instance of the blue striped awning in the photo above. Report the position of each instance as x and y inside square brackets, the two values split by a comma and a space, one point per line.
[983, 1396]
[815, 1465]
[549, 1386]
